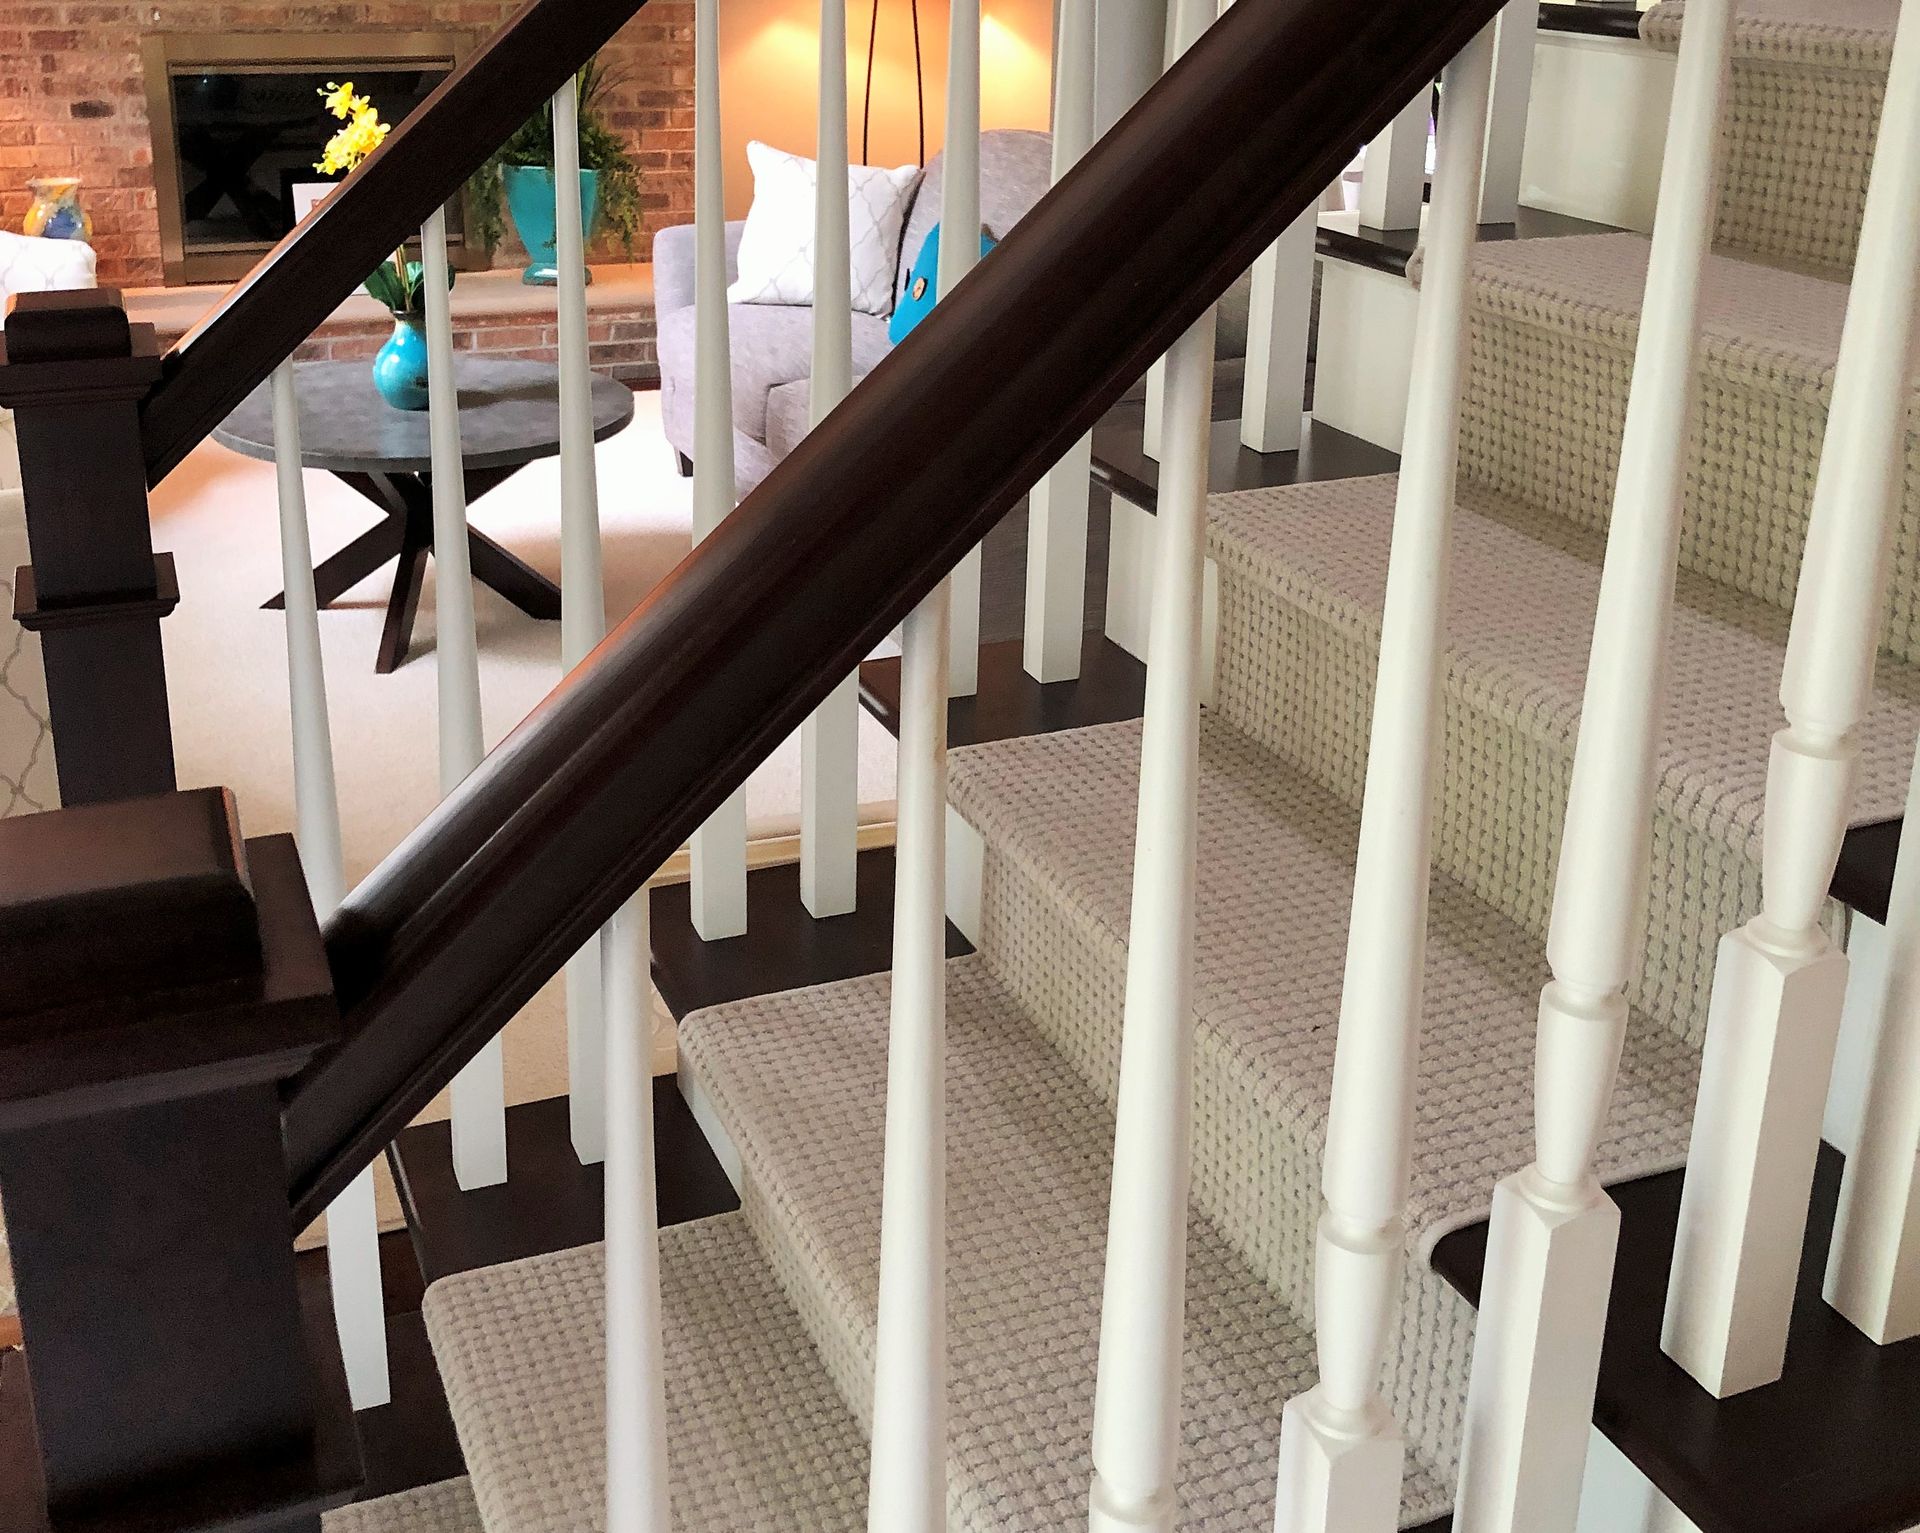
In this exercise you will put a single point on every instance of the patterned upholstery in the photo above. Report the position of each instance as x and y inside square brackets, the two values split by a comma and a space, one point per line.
[26, 742]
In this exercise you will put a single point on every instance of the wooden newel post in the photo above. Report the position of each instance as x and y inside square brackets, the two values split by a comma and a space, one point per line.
[74, 372]
[163, 979]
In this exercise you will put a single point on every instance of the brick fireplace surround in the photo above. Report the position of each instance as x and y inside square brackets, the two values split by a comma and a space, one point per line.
[76, 105]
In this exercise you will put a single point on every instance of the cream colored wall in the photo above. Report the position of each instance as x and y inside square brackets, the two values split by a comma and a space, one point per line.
[769, 50]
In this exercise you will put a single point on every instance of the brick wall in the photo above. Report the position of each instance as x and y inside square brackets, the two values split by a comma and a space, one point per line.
[73, 102]
[621, 346]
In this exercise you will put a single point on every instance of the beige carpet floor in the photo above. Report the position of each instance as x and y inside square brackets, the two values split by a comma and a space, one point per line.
[226, 664]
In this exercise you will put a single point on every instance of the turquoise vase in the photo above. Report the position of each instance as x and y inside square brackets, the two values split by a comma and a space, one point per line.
[529, 190]
[400, 366]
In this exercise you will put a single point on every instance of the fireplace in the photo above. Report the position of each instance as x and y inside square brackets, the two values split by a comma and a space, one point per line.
[237, 125]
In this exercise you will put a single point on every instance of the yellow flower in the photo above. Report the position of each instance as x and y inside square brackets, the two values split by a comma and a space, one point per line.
[341, 100]
[364, 131]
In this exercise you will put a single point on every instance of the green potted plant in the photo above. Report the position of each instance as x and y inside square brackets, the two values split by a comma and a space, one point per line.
[520, 174]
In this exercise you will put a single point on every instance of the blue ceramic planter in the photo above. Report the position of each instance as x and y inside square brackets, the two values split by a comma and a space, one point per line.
[529, 190]
[400, 366]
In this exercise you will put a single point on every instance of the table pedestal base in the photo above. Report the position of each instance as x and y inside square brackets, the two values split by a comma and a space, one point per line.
[405, 533]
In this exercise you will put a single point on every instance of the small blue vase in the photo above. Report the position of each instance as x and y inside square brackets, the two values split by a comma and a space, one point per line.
[400, 366]
[529, 190]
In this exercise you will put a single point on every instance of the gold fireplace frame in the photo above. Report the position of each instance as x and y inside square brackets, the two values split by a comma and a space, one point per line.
[164, 55]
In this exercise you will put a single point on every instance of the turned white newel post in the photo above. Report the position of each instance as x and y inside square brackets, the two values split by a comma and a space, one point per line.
[1779, 983]
[479, 1095]
[1136, 1413]
[1549, 1265]
[960, 211]
[1507, 117]
[908, 1478]
[718, 885]
[1341, 1452]
[1873, 1267]
[353, 1230]
[830, 738]
[1056, 607]
[637, 1486]
[583, 603]
[1393, 175]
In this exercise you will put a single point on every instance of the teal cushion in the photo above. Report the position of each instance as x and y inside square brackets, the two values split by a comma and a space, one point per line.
[917, 292]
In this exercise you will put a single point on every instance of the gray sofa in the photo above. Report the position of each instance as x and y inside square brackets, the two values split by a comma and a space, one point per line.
[772, 343]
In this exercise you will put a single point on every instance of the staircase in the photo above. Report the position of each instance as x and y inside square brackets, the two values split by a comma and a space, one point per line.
[771, 1312]
[790, 1352]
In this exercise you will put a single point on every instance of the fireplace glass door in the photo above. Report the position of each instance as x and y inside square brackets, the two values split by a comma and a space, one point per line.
[239, 125]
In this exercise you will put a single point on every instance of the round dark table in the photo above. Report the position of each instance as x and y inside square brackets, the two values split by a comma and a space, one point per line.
[509, 416]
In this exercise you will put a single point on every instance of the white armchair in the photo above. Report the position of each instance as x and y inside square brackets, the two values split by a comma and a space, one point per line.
[26, 742]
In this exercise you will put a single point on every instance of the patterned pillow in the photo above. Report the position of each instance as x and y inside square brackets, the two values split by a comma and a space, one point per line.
[776, 247]
[29, 265]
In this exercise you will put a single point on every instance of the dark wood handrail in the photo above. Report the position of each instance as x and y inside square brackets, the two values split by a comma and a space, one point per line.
[458, 928]
[424, 162]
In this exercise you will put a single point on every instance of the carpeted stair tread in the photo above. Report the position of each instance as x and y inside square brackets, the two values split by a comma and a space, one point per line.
[1854, 34]
[1553, 328]
[447, 1507]
[1302, 587]
[798, 1080]
[758, 1440]
[1056, 813]
[1771, 319]
[1797, 133]
[1273, 894]
[1520, 623]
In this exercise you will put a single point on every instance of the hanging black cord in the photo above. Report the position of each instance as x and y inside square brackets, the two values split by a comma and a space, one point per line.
[866, 100]
[919, 83]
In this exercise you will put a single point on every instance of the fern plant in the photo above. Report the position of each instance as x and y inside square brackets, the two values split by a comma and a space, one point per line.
[601, 149]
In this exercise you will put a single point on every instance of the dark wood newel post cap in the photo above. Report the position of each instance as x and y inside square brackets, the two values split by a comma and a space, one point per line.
[71, 344]
[151, 953]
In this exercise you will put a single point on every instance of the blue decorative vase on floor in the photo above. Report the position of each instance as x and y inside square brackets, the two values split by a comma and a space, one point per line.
[400, 366]
[529, 190]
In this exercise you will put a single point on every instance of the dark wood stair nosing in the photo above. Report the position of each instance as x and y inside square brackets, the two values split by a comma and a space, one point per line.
[1827, 1449]
[1010, 704]
[1591, 18]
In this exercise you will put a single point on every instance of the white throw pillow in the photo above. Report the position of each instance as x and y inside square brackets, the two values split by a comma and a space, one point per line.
[776, 247]
[30, 265]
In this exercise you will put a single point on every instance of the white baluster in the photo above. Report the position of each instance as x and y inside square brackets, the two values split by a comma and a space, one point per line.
[1873, 1267]
[1341, 1452]
[583, 606]
[1136, 1419]
[1779, 983]
[718, 884]
[959, 254]
[1507, 116]
[1279, 315]
[1137, 1405]
[908, 1481]
[1550, 1250]
[637, 1485]
[316, 798]
[830, 739]
[479, 1095]
[353, 1229]
[1056, 610]
[1393, 175]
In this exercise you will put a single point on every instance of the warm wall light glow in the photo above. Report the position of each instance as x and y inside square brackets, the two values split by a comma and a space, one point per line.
[1015, 72]
[769, 52]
